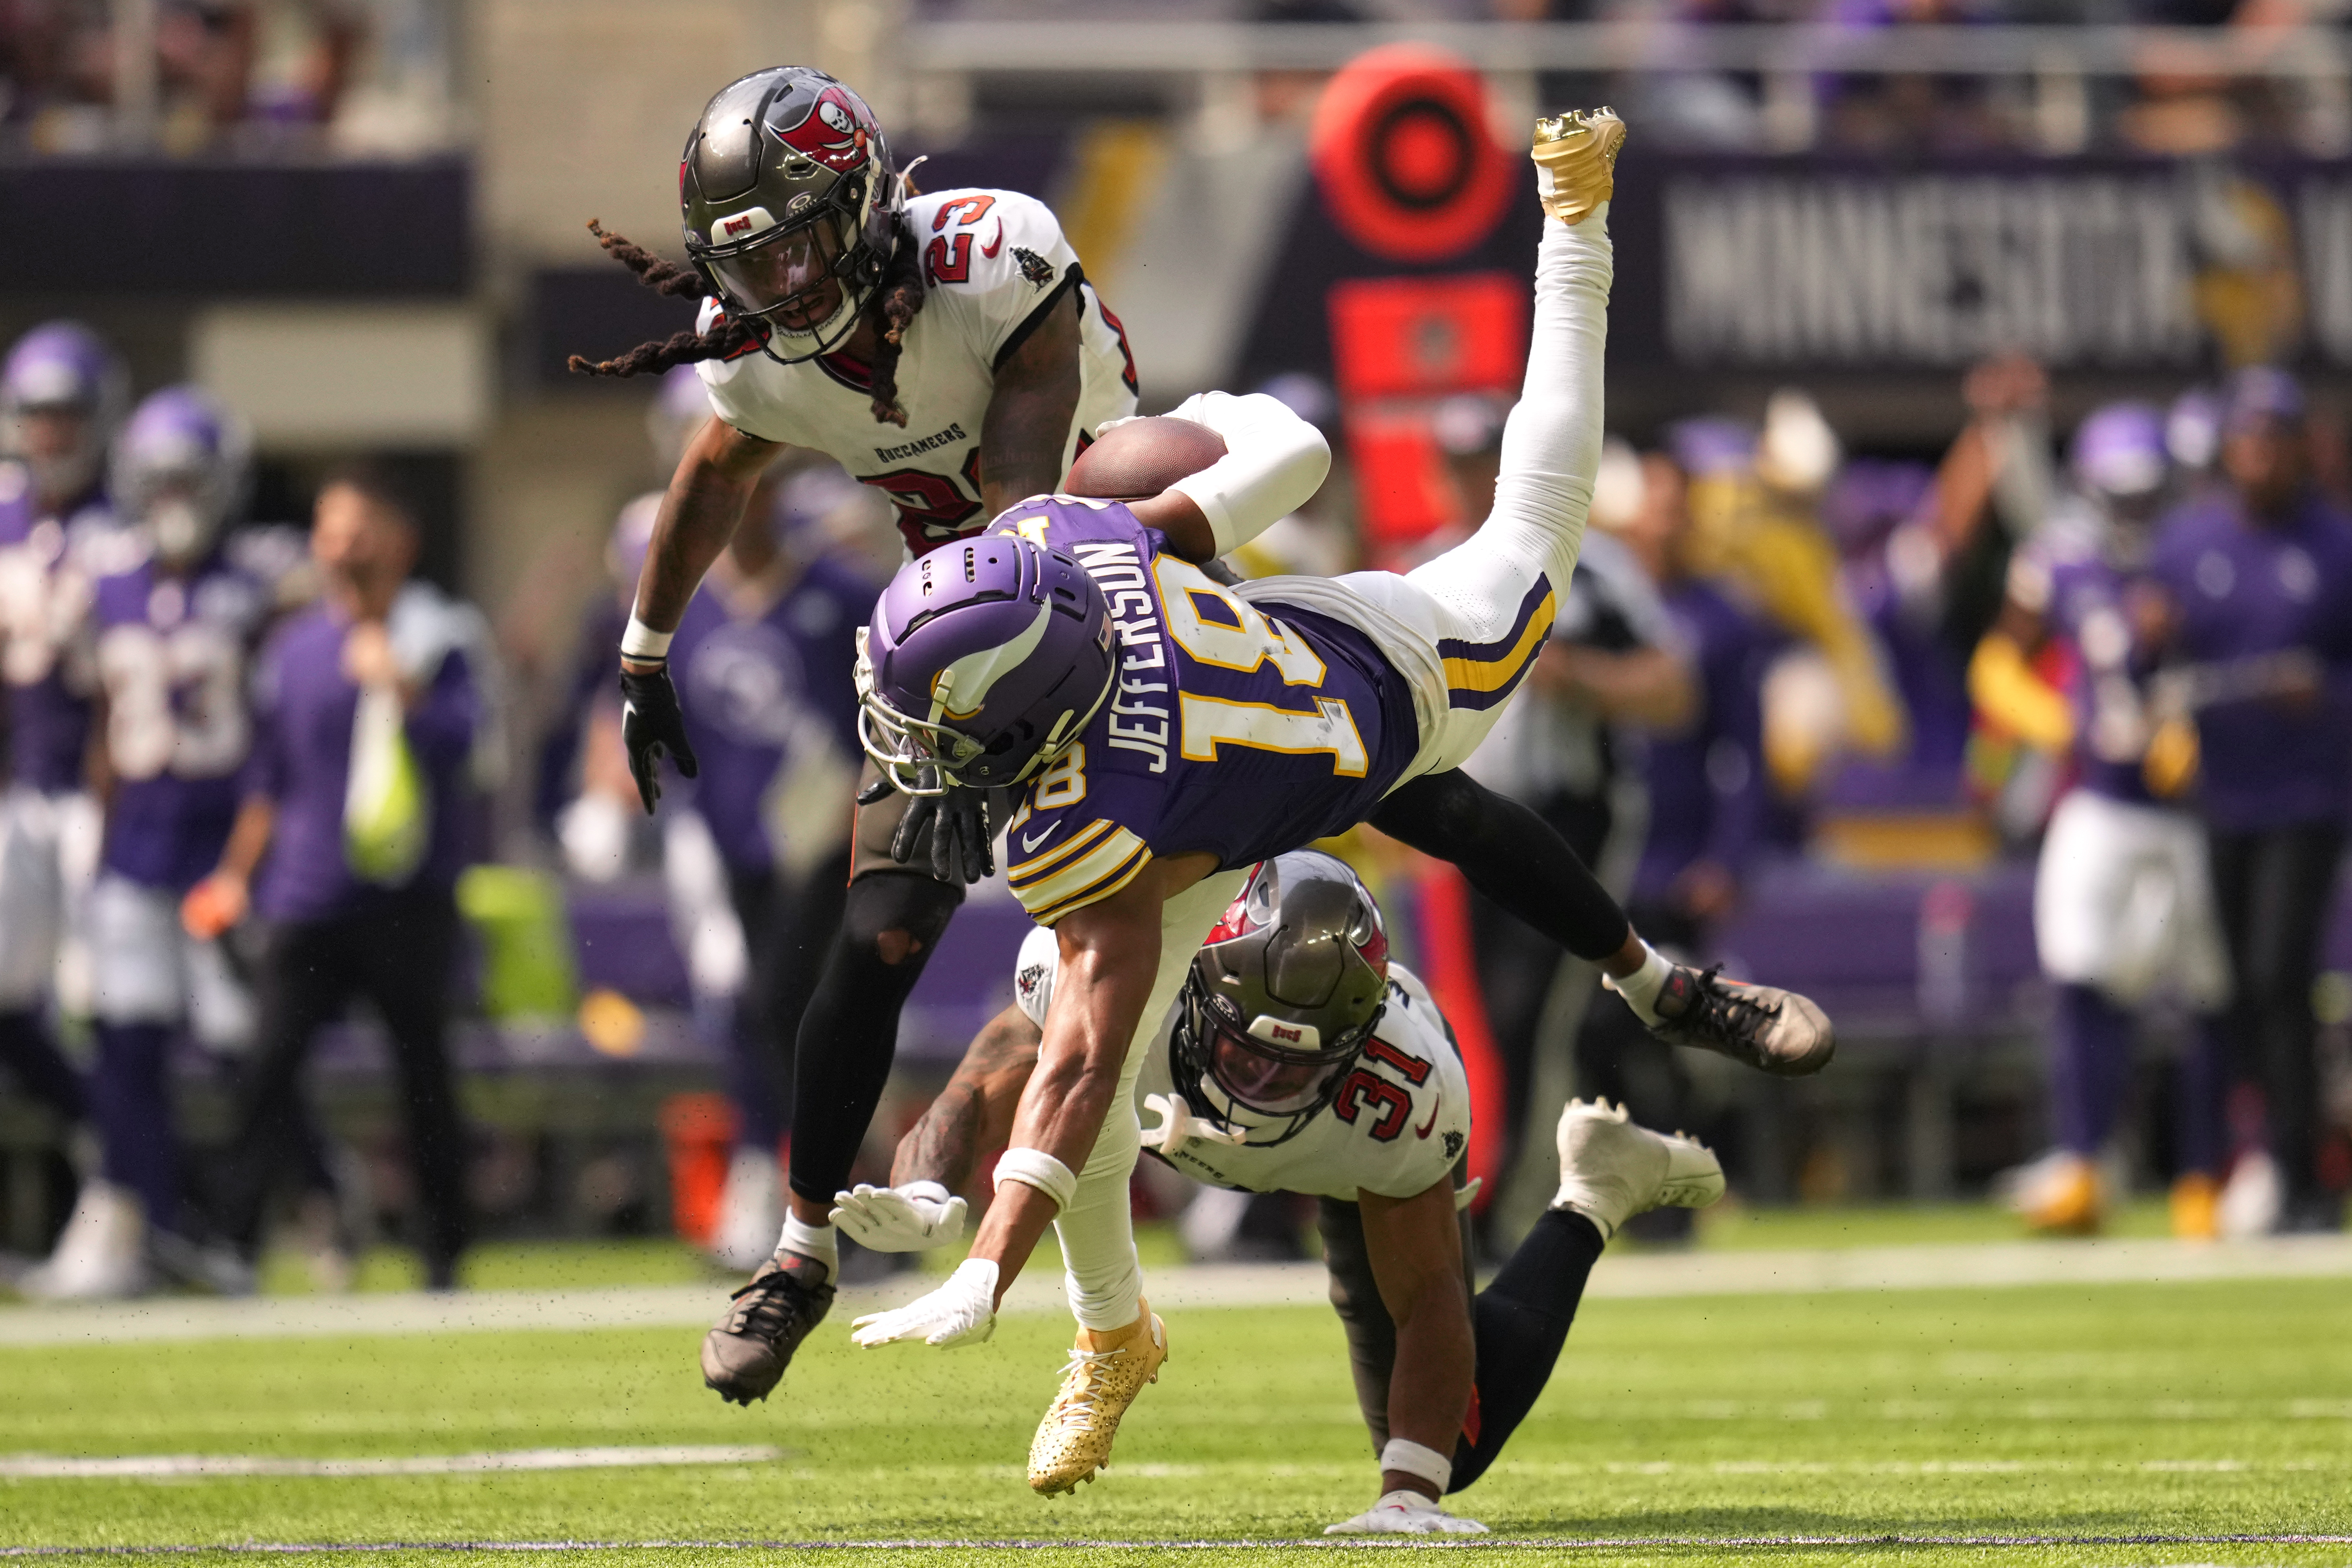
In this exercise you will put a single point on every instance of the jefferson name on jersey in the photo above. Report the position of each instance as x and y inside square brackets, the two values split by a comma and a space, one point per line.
[1230, 730]
[994, 262]
[1400, 1123]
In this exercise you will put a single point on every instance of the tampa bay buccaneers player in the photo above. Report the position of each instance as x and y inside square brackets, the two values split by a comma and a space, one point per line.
[945, 348]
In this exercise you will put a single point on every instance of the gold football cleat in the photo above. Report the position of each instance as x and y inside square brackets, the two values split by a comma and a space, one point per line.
[1579, 150]
[1105, 1372]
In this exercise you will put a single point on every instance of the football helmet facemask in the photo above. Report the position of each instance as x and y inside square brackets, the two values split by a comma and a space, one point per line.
[785, 189]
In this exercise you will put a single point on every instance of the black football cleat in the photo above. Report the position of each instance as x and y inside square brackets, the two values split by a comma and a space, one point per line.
[746, 1352]
[1771, 1030]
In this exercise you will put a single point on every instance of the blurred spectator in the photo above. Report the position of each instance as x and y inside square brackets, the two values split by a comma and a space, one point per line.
[1707, 776]
[349, 843]
[1612, 660]
[1755, 508]
[2123, 901]
[2257, 600]
[1910, 114]
[61, 393]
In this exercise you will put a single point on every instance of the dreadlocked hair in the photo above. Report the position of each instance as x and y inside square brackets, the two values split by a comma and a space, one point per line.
[894, 306]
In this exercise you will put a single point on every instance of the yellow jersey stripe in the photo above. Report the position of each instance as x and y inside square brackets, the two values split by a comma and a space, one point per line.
[1095, 894]
[1081, 875]
[1488, 675]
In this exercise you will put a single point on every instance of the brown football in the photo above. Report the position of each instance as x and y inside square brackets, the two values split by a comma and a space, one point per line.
[1143, 457]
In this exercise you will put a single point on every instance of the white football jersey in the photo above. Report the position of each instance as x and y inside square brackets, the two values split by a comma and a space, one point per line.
[1400, 1123]
[994, 262]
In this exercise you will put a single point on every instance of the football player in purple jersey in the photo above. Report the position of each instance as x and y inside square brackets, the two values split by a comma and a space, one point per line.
[172, 623]
[2122, 903]
[1167, 732]
[62, 391]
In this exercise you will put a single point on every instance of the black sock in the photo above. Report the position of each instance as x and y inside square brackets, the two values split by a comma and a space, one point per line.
[850, 1031]
[1521, 1321]
[27, 1051]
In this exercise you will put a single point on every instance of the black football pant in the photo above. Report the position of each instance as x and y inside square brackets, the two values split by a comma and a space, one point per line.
[787, 928]
[396, 954]
[2274, 891]
[1520, 1322]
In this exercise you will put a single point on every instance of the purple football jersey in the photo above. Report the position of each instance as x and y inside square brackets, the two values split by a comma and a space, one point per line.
[302, 762]
[1231, 732]
[2109, 696]
[2245, 590]
[43, 602]
[756, 686]
[171, 655]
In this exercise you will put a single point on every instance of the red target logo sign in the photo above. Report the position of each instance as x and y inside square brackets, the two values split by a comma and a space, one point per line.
[1403, 155]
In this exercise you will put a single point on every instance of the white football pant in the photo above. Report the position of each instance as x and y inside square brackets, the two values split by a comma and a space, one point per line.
[2123, 901]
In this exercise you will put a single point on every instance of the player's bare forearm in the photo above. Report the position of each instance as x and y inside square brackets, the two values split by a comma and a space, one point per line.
[1027, 426]
[1415, 1246]
[248, 838]
[704, 503]
[975, 1110]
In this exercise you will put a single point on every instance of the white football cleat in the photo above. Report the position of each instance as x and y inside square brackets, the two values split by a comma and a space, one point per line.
[102, 1254]
[1611, 1169]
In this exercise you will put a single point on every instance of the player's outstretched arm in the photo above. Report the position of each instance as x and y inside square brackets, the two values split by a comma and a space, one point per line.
[974, 1111]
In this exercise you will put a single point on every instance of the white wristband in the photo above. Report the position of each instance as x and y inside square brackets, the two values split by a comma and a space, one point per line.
[1408, 1457]
[1035, 1168]
[641, 641]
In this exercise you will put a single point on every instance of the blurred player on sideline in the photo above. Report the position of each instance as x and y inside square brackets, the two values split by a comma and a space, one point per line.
[1300, 1058]
[944, 348]
[348, 841]
[1166, 729]
[174, 619]
[2257, 581]
[2123, 905]
[62, 392]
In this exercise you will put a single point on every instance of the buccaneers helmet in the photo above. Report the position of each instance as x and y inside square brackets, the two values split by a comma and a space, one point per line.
[1282, 999]
[785, 188]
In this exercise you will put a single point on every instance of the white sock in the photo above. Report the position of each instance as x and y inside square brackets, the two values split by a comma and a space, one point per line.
[1641, 988]
[821, 1242]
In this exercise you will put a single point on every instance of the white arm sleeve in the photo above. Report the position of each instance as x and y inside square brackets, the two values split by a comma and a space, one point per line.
[1274, 462]
[1551, 444]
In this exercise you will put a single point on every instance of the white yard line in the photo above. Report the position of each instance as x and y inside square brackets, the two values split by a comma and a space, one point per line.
[172, 1466]
[1342, 1543]
[1629, 1275]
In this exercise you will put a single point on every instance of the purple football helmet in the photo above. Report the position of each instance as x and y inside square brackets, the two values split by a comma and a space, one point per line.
[984, 660]
[180, 470]
[2118, 452]
[61, 368]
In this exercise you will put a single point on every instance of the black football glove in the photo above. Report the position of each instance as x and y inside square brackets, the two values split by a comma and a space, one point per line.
[651, 724]
[960, 853]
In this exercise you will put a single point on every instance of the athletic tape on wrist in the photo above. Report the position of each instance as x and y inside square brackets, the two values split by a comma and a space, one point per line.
[1408, 1457]
[1035, 1168]
[641, 641]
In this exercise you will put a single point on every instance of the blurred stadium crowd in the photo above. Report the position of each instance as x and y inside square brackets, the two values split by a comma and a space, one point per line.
[2026, 745]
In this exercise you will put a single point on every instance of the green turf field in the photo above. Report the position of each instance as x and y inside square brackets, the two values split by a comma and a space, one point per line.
[2183, 1410]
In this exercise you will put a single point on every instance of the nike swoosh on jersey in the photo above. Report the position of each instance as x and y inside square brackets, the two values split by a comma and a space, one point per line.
[997, 244]
[1425, 1130]
[1029, 845]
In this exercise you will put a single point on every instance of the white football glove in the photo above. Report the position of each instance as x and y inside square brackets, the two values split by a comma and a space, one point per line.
[1179, 1126]
[961, 1312]
[1405, 1513]
[899, 1220]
